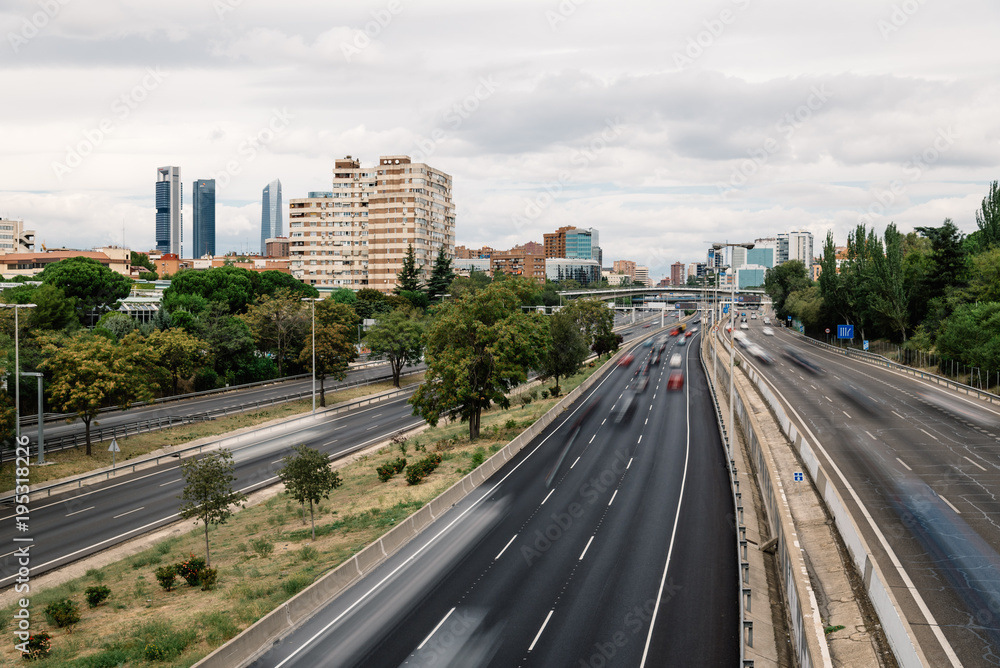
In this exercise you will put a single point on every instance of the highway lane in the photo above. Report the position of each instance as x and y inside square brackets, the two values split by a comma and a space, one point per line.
[73, 525]
[601, 543]
[925, 464]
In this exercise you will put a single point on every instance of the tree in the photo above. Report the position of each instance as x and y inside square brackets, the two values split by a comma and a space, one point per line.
[179, 353]
[399, 337]
[889, 295]
[91, 284]
[606, 343]
[234, 287]
[269, 282]
[781, 281]
[806, 305]
[479, 348]
[208, 491]
[118, 323]
[308, 477]
[370, 304]
[53, 310]
[566, 347]
[441, 276]
[334, 352]
[988, 221]
[971, 335]
[91, 372]
[593, 318]
[463, 285]
[408, 276]
[344, 296]
[141, 260]
[278, 324]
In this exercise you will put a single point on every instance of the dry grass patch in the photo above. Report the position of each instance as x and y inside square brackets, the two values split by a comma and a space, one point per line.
[264, 556]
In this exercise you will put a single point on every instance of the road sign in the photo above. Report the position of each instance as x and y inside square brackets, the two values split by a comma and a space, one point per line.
[845, 331]
[114, 450]
[827, 330]
[865, 344]
[789, 318]
[725, 308]
[799, 477]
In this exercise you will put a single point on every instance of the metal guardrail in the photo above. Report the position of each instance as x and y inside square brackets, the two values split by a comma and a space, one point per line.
[132, 466]
[879, 360]
[164, 422]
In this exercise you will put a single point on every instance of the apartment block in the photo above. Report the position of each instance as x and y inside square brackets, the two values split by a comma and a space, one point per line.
[626, 267]
[642, 276]
[677, 271]
[357, 235]
[523, 260]
[14, 238]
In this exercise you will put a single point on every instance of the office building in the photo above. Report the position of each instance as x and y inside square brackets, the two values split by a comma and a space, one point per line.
[276, 247]
[761, 256]
[677, 274]
[203, 209]
[358, 237]
[750, 276]
[642, 276]
[270, 214]
[573, 243]
[800, 247]
[14, 238]
[583, 272]
[169, 216]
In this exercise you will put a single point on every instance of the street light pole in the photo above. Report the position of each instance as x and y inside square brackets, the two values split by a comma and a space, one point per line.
[17, 368]
[312, 301]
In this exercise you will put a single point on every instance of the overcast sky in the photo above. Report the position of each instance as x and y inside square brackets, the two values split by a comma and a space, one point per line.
[664, 125]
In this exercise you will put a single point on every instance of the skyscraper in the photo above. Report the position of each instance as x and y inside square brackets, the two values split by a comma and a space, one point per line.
[169, 218]
[270, 214]
[203, 205]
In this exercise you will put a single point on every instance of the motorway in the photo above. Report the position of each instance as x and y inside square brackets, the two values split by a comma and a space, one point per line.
[925, 465]
[601, 543]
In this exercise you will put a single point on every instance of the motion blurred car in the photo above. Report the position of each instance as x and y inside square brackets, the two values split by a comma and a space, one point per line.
[687, 334]
[675, 381]
[744, 325]
[675, 331]
[625, 360]
[656, 360]
[681, 341]
[642, 384]
[768, 331]
[624, 407]
[675, 360]
[801, 360]
[760, 353]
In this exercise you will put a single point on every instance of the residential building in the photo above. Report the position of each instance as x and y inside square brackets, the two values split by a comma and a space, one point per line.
[463, 253]
[737, 256]
[584, 272]
[642, 276]
[614, 279]
[203, 209]
[32, 264]
[466, 265]
[520, 261]
[697, 269]
[270, 214]
[14, 238]
[359, 237]
[626, 267]
[677, 274]
[800, 247]
[169, 214]
[276, 247]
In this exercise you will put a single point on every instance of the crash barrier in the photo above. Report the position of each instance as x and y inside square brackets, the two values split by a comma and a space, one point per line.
[745, 593]
[136, 427]
[261, 636]
[897, 630]
[130, 466]
[879, 360]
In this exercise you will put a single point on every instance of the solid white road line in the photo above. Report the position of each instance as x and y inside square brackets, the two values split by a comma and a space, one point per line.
[549, 494]
[539, 635]
[77, 512]
[591, 439]
[847, 414]
[502, 551]
[949, 504]
[629, 463]
[171, 482]
[640, 439]
[574, 462]
[974, 463]
[613, 497]
[128, 513]
[898, 415]
[870, 434]
[586, 548]
[903, 463]
[431, 634]
[929, 434]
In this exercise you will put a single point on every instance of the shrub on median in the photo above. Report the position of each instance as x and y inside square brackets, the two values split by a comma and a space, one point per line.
[423, 468]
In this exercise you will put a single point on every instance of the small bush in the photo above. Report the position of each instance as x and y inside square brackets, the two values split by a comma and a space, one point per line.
[96, 595]
[166, 576]
[153, 652]
[208, 577]
[295, 584]
[478, 457]
[64, 613]
[524, 398]
[423, 468]
[189, 570]
[308, 553]
[39, 646]
[262, 546]
[511, 423]
[545, 394]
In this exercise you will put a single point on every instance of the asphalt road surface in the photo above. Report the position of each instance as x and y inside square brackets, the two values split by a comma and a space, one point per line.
[603, 543]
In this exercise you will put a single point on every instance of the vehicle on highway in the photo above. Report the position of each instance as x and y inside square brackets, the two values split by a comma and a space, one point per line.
[625, 360]
[676, 360]
[675, 331]
[642, 384]
[744, 325]
[648, 343]
[687, 334]
[767, 321]
[760, 353]
[647, 325]
[681, 341]
[656, 360]
[801, 360]
[645, 369]
[624, 407]
[768, 331]
[675, 381]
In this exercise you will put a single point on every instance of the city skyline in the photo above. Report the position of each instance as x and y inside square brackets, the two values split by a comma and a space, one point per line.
[663, 127]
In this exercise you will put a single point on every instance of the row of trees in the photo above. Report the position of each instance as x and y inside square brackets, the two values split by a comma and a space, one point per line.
[933, 289]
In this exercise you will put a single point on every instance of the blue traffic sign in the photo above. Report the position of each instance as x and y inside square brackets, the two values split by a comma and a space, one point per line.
[789, 318]
[865, 344]
[799, 477]
[845, 331]
[725, 308]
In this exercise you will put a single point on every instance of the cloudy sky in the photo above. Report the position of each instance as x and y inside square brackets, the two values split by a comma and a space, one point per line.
[662, 124]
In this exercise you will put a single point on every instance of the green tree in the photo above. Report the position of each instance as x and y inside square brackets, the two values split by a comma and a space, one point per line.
[117, 323]
[334, 352]
[781, 281]
[53, 310]
[889, 296]
[91, 372]
[308, 477]
[948, 258]
[806, 304]
[971, 335]
[593, 318]
[399, 337]
[278, 325]
[463, 285]
[369, 304]
[566, 347]
[191, 290]
[270, 282]
[93, 286]
[208, 491]
[988, 221]
[441, 276]
[179, 353]
[141, 260]
[344, 296]
[408, 276]
[984, 283]
[478, 349]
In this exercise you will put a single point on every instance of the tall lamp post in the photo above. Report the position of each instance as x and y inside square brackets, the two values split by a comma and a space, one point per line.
[732, 331]
[17, 368]
[313, 301]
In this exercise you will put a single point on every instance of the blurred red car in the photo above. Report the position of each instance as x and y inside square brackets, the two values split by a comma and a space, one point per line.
[675, 381]
[675, 332]
[625, 360]
[688, 334]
